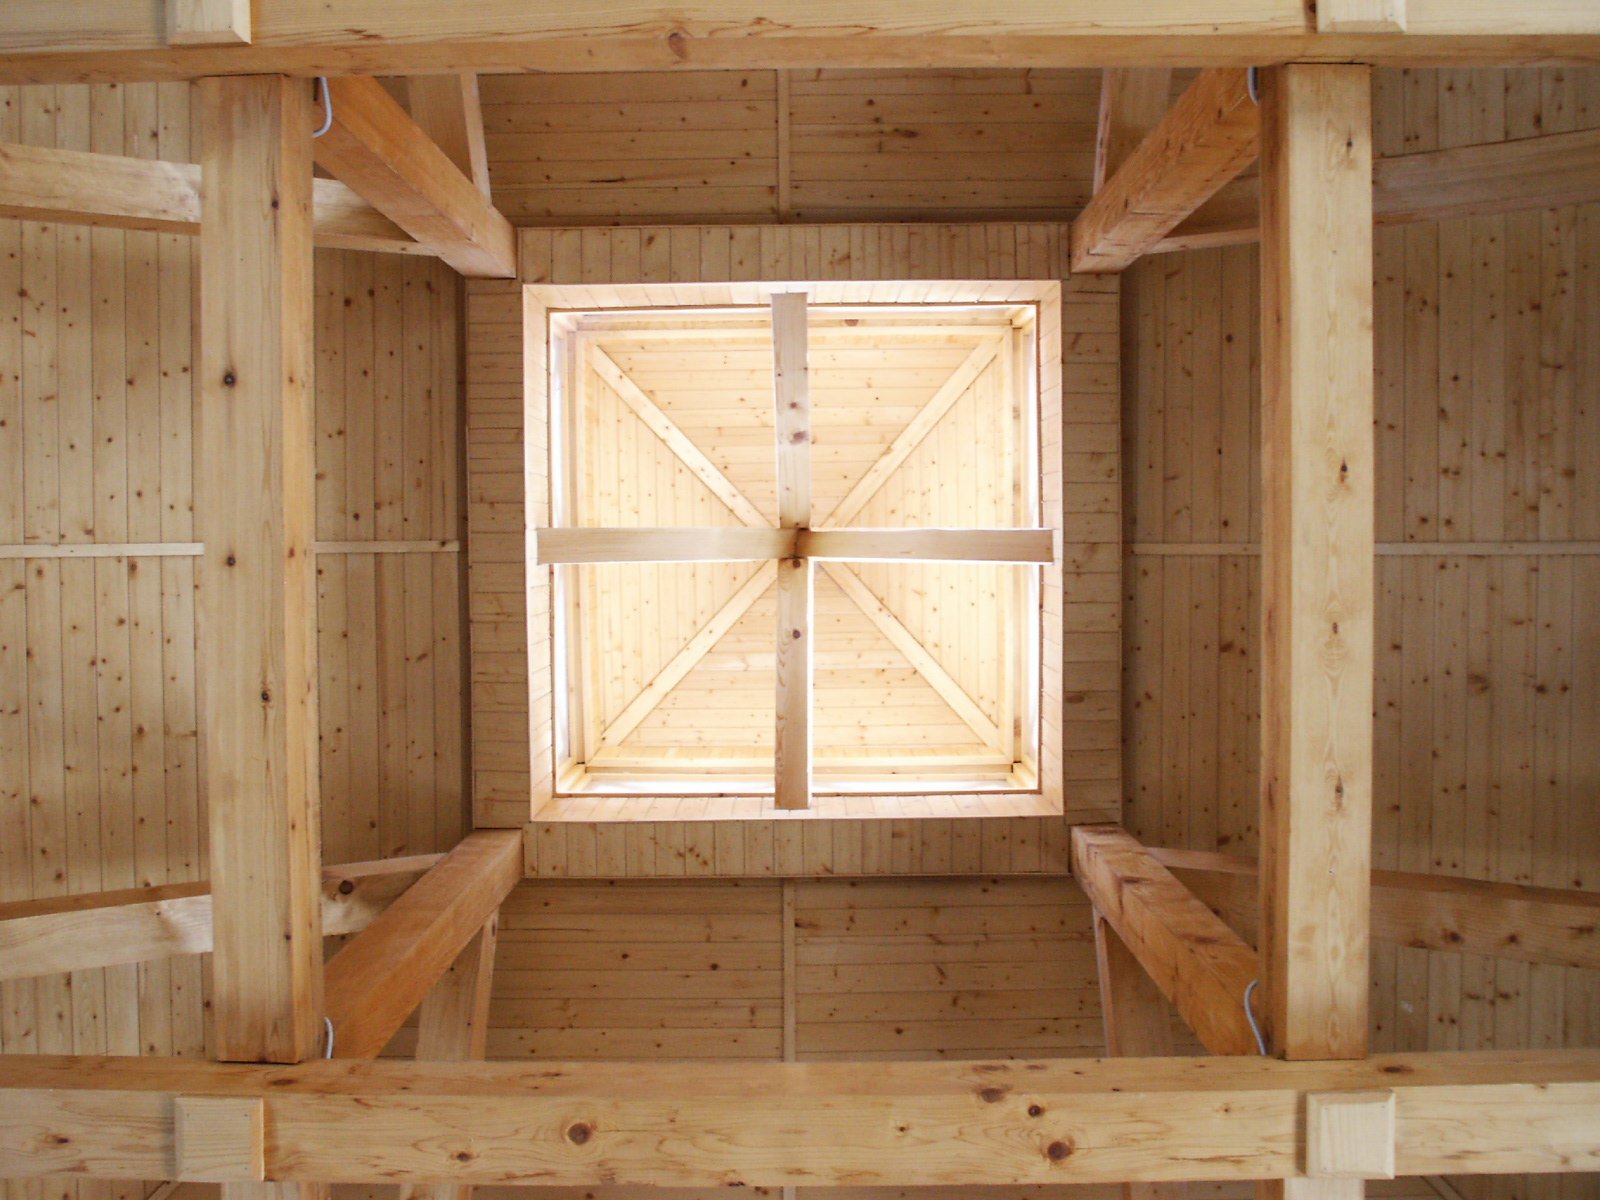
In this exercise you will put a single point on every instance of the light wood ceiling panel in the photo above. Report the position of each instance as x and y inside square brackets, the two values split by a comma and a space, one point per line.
[917, 421]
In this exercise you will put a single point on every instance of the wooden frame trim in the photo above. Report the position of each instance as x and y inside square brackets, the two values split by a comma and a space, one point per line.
[509, 484]
[816, 1124]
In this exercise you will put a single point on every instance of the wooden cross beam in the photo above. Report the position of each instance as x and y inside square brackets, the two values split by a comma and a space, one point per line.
[794, 546]
[767, 1124]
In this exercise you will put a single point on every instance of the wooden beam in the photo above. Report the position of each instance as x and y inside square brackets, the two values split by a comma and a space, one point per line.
[1499, 177]
[663, 426]
[208, 22]
[1206, 138]
[1132, 102]
[41, 183]
[116, 40]
[767, 1124]
[909, 438]
[1134, 1014]
[792, 757]
[1317, 556]
[1426, 912]
[1549, 171]
[791, 402]
[680, 664]
[453, 1026]
[717, 543]
[734, 543]
[929, 545]
[385, 157]
[925, 664]
[1199, 964]
[791, 387]
[447, 109]
[257, 606]
[1361, 16]
[106, 929]
[376, 981]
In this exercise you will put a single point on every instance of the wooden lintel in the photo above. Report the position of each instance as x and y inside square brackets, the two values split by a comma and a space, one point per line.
[386, 158]
[375, 982]
[767, 1124]
[78, 187]
[106, 929]
[1199, 964]
[1210, 134]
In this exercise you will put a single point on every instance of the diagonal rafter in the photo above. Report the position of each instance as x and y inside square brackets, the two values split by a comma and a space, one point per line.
[681, 663]
[913, 434]
[648, 411]
[903, 640]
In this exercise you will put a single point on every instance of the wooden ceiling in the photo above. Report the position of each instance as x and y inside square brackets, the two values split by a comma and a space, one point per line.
[918, 679]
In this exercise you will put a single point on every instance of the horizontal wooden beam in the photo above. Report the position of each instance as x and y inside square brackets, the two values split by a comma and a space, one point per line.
[929, 545]
[1210, 134]
[768, 1124]
[1199, 964]
[741, 544]
[107, 929]
[380, 977]
[1429, 912]
[386, 158]
[111, 40]
[1548, 171]
[76, 187]
[729, 543]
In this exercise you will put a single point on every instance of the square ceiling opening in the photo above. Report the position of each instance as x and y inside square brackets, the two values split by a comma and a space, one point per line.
[689, 490]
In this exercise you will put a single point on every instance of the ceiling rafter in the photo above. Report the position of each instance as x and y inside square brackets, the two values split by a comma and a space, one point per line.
[941, 402]
[918, 655]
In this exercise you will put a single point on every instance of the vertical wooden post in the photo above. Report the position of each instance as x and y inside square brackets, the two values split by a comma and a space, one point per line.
[1137, 1025]
[257, 600]
[1317, 569]
[453, 1026]
[792, 401]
